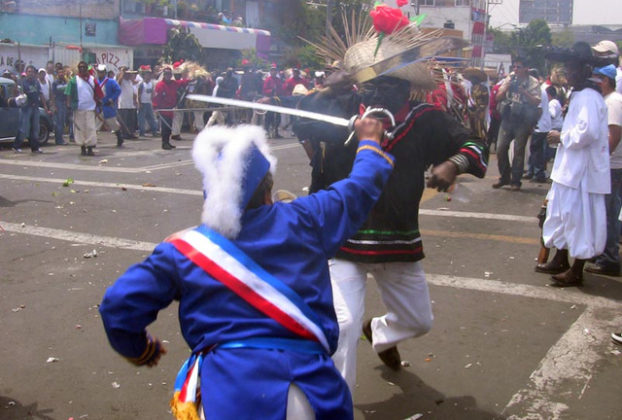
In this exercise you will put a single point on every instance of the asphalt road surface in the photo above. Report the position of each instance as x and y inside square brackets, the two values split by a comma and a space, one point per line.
[503, 345]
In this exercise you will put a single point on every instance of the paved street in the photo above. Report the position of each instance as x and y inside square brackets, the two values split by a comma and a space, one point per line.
[503, 345]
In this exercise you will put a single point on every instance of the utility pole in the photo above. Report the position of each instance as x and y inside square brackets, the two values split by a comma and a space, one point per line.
[329, 16]
[486, 20]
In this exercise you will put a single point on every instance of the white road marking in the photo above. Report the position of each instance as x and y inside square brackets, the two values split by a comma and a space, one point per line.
[114, 185]
[490, 286]
[425, 212]
[565, 371]
[72, 166]
[524, 290]
[475, 215]
[78, 237]
[119, 169]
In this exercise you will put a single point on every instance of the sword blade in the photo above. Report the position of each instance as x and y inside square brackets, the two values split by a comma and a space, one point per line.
[272, 108]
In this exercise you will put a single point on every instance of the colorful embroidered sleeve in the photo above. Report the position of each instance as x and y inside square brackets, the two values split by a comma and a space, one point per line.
[447, 139]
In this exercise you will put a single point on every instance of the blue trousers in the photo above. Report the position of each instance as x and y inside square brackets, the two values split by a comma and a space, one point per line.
[29, 127]
[146, 113]
[538, 155]
[610, 257]
[59, 122]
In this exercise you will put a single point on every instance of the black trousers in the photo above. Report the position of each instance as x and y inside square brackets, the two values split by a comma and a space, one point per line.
[167, 124]
[130, 120]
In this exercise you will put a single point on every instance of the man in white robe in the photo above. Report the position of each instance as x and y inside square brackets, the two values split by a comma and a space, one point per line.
[575, 221]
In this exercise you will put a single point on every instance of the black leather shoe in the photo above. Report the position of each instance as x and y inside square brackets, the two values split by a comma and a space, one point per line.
[500, 184]
[552, 268]
[602, 270]
[567, 279]
[391, 356]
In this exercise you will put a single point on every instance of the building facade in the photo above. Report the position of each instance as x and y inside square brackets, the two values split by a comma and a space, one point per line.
[467, 16]
[554, 12]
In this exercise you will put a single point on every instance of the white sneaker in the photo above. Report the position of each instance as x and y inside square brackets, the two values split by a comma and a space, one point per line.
[617, 337]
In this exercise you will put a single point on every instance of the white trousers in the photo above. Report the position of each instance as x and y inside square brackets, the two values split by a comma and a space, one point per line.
[84, 127]
[198, 120]
[178, 119]
[575, 220]
[405, 294]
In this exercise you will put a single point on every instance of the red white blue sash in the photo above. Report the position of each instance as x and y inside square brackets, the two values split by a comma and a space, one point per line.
[225, 262]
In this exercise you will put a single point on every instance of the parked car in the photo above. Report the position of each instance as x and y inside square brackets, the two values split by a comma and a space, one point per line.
[9, 116]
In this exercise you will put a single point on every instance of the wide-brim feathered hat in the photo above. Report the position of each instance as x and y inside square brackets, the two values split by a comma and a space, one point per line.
[371, 39]
[233, 162]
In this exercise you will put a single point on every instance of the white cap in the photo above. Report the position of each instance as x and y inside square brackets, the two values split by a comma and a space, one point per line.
[606, 49]
[42, 70]
[101, 67]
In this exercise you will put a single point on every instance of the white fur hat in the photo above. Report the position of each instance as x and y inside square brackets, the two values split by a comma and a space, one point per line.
[233, 162]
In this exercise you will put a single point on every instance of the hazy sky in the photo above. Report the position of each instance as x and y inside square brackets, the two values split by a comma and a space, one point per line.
[586, 12]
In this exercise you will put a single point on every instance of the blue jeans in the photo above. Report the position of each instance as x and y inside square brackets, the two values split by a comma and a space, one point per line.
[29, 127]
[537, 155]
[59, 127]
[610, 258]
[146, 113]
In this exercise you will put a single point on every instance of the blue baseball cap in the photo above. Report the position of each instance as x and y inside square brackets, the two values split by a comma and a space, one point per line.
[607, 71]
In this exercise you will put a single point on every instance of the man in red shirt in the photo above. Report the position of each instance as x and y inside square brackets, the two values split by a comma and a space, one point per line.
[273, 85]
[290, 83]
[165, 97]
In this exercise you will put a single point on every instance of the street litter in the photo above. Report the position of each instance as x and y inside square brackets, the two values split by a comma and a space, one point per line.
[103, 161]
[68, 182]
[116, 385]
[468, 365]
[405, 363]
[148, 184]
[92, 254]
[414, 417]
[52, 359]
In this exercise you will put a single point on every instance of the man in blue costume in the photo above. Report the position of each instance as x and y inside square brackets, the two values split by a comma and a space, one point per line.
[253, 285]
[112, 91]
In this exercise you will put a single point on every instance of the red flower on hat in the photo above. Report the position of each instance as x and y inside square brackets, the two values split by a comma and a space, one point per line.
[176, 64]
[401, 3]
[387, 19]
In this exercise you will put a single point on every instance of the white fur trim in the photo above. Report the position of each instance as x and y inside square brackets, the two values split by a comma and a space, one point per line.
[222, 177]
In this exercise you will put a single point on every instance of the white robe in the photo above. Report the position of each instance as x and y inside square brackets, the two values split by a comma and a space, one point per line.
[576, 217]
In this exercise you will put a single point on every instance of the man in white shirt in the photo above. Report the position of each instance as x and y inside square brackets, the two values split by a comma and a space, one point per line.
[608, 263]
[537, 148]
[46, 86]
[127, 103]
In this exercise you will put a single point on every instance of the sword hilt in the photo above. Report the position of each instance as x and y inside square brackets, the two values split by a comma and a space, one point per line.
[369, 111]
